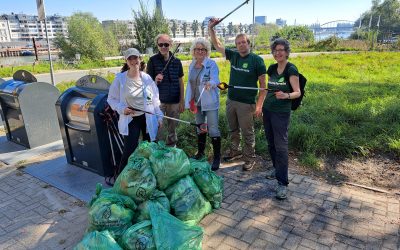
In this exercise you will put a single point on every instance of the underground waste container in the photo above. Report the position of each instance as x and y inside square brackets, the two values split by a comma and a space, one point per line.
[87, 137]
[27, 110]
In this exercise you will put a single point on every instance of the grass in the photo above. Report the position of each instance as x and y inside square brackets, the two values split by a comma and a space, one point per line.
[351, 108]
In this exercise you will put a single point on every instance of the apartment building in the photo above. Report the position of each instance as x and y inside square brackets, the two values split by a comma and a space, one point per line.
[4, 31]
[23, 27]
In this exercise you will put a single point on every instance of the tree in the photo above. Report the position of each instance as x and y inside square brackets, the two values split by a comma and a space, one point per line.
[240, 27]
[296, 33]
[148, 26]
[86, 37]
[387, 14]
[203, 27]
[184, 29]
[264, 34]
[122, 34]
[195, 26]
[174, 28]
[230, 28]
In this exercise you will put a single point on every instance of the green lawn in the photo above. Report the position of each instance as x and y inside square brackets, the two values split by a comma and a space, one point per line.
[351, 108]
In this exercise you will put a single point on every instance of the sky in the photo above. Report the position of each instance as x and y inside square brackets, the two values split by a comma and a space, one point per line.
[294, 11]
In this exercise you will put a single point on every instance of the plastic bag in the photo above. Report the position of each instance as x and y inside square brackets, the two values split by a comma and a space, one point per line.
[171, 233]
[169, 165]
[158, 198]
[136, 180]
[211, 186]
[111, 211]
[98, 240]
[199, 165]
[138, 236]
[145, 149]
[187, 202]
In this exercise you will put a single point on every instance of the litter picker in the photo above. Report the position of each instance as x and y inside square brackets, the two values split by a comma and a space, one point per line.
[224, 86]
[201, 126]
[220, 20]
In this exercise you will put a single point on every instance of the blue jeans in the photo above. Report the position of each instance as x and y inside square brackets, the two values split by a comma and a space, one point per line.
[276, 126]
[211, 118]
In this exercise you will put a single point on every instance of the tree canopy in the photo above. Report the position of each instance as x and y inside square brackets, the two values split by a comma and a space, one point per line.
[383, 16]
[86, 37]
[148, 26]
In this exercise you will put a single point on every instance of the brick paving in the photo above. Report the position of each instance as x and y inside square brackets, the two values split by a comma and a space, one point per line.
[316, 215]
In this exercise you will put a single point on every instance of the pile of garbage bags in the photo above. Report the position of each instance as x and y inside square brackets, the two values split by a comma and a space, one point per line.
[155, 203]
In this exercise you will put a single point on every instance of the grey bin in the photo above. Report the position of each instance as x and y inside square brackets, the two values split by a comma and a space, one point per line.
[83, 130]
[27, 110]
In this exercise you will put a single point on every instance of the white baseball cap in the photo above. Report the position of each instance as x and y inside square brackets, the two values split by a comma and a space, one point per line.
[131, 52]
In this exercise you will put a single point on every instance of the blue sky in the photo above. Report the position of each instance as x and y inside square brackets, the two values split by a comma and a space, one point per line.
[301, 11]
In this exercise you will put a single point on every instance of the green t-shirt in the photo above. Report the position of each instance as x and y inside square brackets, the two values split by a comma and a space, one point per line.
[279, 82]
[244, 72]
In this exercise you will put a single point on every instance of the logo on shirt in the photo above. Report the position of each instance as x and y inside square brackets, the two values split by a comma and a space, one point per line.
[245, 65]
[282, 79]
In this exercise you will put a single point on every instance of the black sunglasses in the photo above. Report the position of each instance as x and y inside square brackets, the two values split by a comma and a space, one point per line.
[166, 45]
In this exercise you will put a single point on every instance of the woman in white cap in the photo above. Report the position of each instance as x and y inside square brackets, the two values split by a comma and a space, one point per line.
[131, 93]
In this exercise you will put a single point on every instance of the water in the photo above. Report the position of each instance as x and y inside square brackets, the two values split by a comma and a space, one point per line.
[24, 60]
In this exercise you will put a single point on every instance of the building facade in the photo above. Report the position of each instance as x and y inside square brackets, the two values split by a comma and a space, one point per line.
[21, 27]
[261, 20]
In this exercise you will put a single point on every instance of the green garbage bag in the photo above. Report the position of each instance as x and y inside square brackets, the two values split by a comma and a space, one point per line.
[138, 236]
[145, 149]
[98, 240]
[169, 165]
[211, 186]
[136, 180]
[199, 164]
[112, 212]
[158, 198]
[187, 202]
[171, 233]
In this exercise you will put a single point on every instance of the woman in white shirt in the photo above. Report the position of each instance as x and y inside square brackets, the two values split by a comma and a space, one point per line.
[135, 89]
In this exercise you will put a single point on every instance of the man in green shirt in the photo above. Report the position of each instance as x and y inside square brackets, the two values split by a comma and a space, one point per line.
[246, 70]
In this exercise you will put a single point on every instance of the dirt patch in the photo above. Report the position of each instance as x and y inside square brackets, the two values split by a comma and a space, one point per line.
[376, 172]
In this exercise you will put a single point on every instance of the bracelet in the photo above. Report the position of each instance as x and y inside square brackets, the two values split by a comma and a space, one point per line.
[288, 95]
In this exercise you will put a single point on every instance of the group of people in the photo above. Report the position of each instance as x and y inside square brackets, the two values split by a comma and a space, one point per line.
[141, 99]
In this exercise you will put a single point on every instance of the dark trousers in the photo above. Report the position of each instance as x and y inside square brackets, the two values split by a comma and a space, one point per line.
[276, 126]
[131, 141]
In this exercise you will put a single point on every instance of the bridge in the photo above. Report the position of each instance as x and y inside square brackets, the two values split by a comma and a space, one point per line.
[338, 28]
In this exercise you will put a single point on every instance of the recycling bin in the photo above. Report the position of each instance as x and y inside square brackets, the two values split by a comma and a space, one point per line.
[27, 110]
[89, 141]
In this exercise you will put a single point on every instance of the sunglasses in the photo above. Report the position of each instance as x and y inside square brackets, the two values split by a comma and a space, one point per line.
[200, 50]
[166, 45]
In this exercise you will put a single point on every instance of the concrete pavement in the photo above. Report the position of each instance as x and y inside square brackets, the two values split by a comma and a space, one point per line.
[316, 215]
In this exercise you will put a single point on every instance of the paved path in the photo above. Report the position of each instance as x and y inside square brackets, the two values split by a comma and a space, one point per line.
[316, 215]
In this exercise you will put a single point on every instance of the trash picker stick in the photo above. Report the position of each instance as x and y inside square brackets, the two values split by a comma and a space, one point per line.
[220, 20]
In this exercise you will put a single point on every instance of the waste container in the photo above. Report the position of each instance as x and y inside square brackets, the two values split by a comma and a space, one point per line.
[27, 110]
[86, 137]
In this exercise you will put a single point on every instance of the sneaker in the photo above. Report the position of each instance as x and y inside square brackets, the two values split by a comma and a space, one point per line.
[281, 192]
[232, 155]
[271, 174]
[248, 165]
